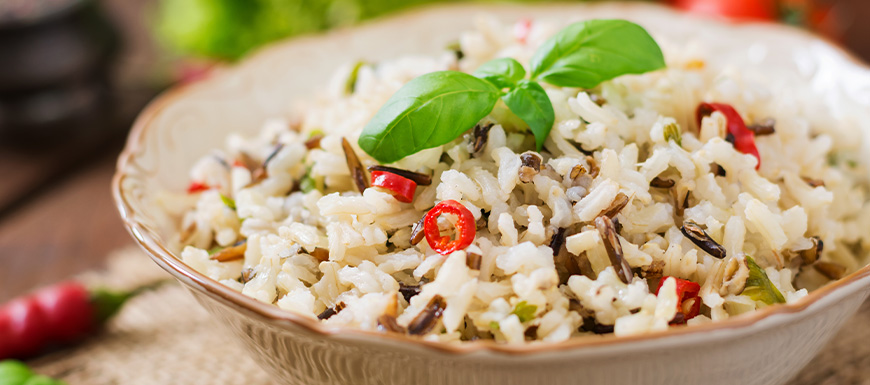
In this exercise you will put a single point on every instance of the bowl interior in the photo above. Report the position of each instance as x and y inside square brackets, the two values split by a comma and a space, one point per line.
[185, 123]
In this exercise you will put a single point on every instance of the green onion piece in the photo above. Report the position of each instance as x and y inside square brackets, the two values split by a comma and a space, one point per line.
[350, 86]
[307, 184]
[525, 311]
[315, 132]
[215, 249]
[493, 325]
[457, 49]
[672, 131]
[758, 285]
[229, 202]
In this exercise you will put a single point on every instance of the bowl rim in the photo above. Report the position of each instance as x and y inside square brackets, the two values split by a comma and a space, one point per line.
[173, 265]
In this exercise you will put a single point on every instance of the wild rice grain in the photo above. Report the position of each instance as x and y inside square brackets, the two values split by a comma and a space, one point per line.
[700, 238]
[425, 321]
[614, 248]
[357, 172]
[830, 270]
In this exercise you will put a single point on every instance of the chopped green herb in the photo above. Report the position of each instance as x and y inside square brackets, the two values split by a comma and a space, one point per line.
[493, 325]
[350, 86]
[673, 132]
[457, 50]
[229, 202]
[524, 311]
[215, 249]
[315, 132]
[758, 285]
[307, 184]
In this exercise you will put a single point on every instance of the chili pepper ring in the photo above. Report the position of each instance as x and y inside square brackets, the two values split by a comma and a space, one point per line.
[465, 227]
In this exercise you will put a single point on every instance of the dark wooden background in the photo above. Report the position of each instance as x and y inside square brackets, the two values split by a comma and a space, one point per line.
[57, 217]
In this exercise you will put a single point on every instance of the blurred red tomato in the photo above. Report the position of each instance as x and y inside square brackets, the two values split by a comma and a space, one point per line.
[734, 9]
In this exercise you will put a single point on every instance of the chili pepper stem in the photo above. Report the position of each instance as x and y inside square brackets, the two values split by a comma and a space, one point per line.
[108, 302]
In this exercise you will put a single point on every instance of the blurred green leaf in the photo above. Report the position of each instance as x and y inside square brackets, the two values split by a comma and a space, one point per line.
[228, 29]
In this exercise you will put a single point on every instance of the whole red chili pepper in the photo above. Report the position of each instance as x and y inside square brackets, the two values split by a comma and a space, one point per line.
[58, 314]
[68, 310]
[402, 188]
[24, 328]
[689, 304]
[744, 138]
[466, 227]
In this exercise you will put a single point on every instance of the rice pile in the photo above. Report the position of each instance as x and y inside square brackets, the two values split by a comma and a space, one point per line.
[347, 257]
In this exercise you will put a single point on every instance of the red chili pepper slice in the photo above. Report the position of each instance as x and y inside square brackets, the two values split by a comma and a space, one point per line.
[522, 29]
[402, 188]
[196, 187]
[466, 227]
[689, 303]
[744, 138]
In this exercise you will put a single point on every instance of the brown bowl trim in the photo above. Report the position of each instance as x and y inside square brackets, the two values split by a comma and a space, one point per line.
[169, 262]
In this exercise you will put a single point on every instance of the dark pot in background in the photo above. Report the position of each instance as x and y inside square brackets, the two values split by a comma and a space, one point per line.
[54, 70]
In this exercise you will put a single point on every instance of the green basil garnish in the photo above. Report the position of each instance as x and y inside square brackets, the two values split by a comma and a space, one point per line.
[530, 102]
[587, 53]
[758, 285]
[503, 73]
[429, 111]
[438, 107]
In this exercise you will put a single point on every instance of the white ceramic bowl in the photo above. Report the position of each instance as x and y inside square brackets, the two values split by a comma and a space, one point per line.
[766, 347]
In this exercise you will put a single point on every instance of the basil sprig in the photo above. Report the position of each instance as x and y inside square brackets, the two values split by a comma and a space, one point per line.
[438, 107]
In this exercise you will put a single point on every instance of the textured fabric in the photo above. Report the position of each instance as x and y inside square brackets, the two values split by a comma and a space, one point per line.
[163, 337]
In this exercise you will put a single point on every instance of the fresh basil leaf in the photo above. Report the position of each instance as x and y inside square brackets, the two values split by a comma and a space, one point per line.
[530, 102]
[428, 111]
[758, 285]
[587, 53]
[503, 73]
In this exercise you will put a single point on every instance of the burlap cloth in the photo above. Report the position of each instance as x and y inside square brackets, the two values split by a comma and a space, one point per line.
[163, 337]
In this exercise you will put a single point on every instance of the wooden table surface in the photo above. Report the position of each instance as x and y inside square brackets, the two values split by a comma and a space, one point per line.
[57, 217]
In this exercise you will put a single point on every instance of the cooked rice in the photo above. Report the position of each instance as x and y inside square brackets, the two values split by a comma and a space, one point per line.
[771, 214]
